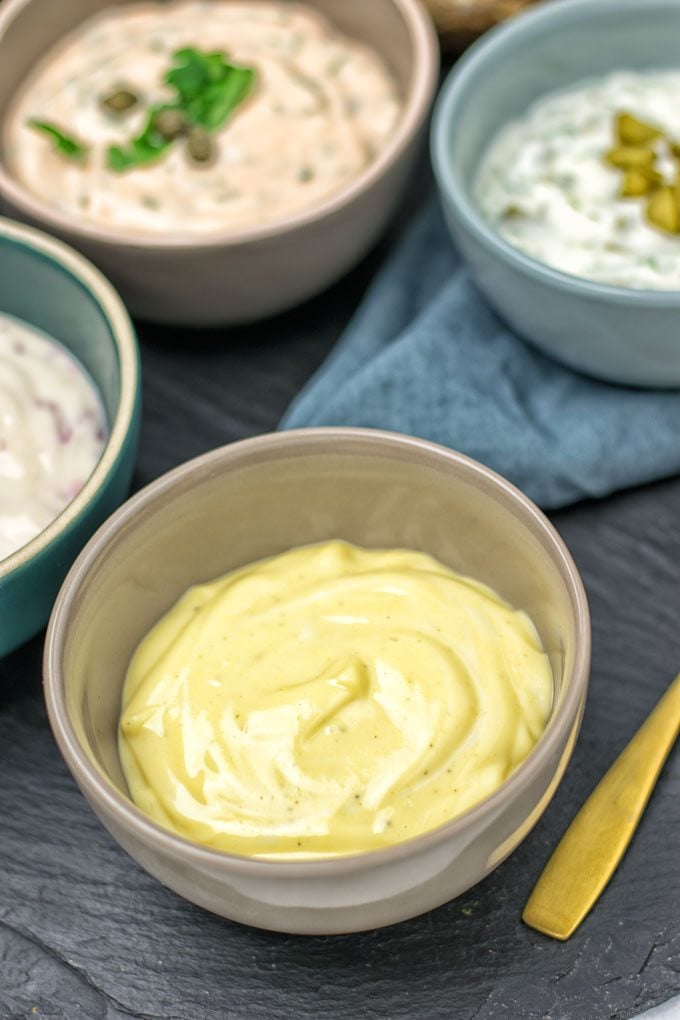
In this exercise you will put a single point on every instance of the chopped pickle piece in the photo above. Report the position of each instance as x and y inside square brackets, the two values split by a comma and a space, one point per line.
[631, 131]
[674, 149]
[663, 210]
[630, 157]
[641, 181]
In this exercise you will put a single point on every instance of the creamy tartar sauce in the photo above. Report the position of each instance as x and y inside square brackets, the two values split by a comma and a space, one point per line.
[322, 107]
[52, 431]
[546, 188]
[330, 700]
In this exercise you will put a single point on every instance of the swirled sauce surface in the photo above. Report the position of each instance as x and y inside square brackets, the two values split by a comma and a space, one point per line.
[52, 431]
[321, 108]
[330, 700]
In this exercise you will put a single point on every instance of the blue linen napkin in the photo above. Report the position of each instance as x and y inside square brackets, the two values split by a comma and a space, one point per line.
[426, 355]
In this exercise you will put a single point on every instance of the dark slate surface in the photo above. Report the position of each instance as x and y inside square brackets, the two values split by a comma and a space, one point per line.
[85, 933]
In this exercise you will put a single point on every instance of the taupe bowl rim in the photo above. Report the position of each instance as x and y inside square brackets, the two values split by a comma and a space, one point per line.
[549, 16]
[112, 803]
[125, 341]
[418, 99]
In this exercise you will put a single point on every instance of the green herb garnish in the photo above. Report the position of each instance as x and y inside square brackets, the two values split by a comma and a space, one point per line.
[200, 146]
[208, 89]
[119, 102]
[65, 144]
[148, 146]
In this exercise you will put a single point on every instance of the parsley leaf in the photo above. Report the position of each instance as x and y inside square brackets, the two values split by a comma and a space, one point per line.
[209, 88]
[64, 144]
[148, 146]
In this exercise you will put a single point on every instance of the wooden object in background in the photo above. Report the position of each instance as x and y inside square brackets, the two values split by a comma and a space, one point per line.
[459, 22]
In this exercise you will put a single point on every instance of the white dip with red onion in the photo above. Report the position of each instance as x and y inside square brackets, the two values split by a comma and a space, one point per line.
[52, 431]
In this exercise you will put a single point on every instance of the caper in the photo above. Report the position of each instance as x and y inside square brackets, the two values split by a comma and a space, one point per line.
[200, 146]
[631, 131]
[630, 157]
[663, 210]
[170, 124]
[119, 102]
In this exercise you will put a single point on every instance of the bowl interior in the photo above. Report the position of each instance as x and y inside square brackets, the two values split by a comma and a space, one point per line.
[42, 291]
[550, 49]
[264, 496]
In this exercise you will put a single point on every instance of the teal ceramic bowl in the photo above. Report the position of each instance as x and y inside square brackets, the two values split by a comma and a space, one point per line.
[614, 333]
[51, 287]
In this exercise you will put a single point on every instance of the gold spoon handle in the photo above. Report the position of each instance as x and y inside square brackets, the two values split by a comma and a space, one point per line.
[591, 848]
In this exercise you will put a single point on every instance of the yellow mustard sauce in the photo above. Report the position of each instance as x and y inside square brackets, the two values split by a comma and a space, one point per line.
[330, 700]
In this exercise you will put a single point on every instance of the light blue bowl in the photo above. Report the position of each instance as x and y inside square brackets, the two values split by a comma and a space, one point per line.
[50, 286]
[624, 336]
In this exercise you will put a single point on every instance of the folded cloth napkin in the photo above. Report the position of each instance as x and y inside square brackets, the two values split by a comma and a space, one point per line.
[426, 355]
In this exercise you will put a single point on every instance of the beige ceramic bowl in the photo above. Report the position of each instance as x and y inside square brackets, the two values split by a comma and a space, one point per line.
[260, 497]
[245, 275]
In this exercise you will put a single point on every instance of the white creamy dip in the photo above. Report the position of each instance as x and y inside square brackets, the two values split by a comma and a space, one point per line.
[546, 188]
[52, 431]
[321, 108]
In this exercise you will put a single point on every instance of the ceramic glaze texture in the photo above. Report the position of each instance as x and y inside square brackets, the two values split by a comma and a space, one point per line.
[53, 289]
[404, 493]
[618, 334]
[242, 274]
